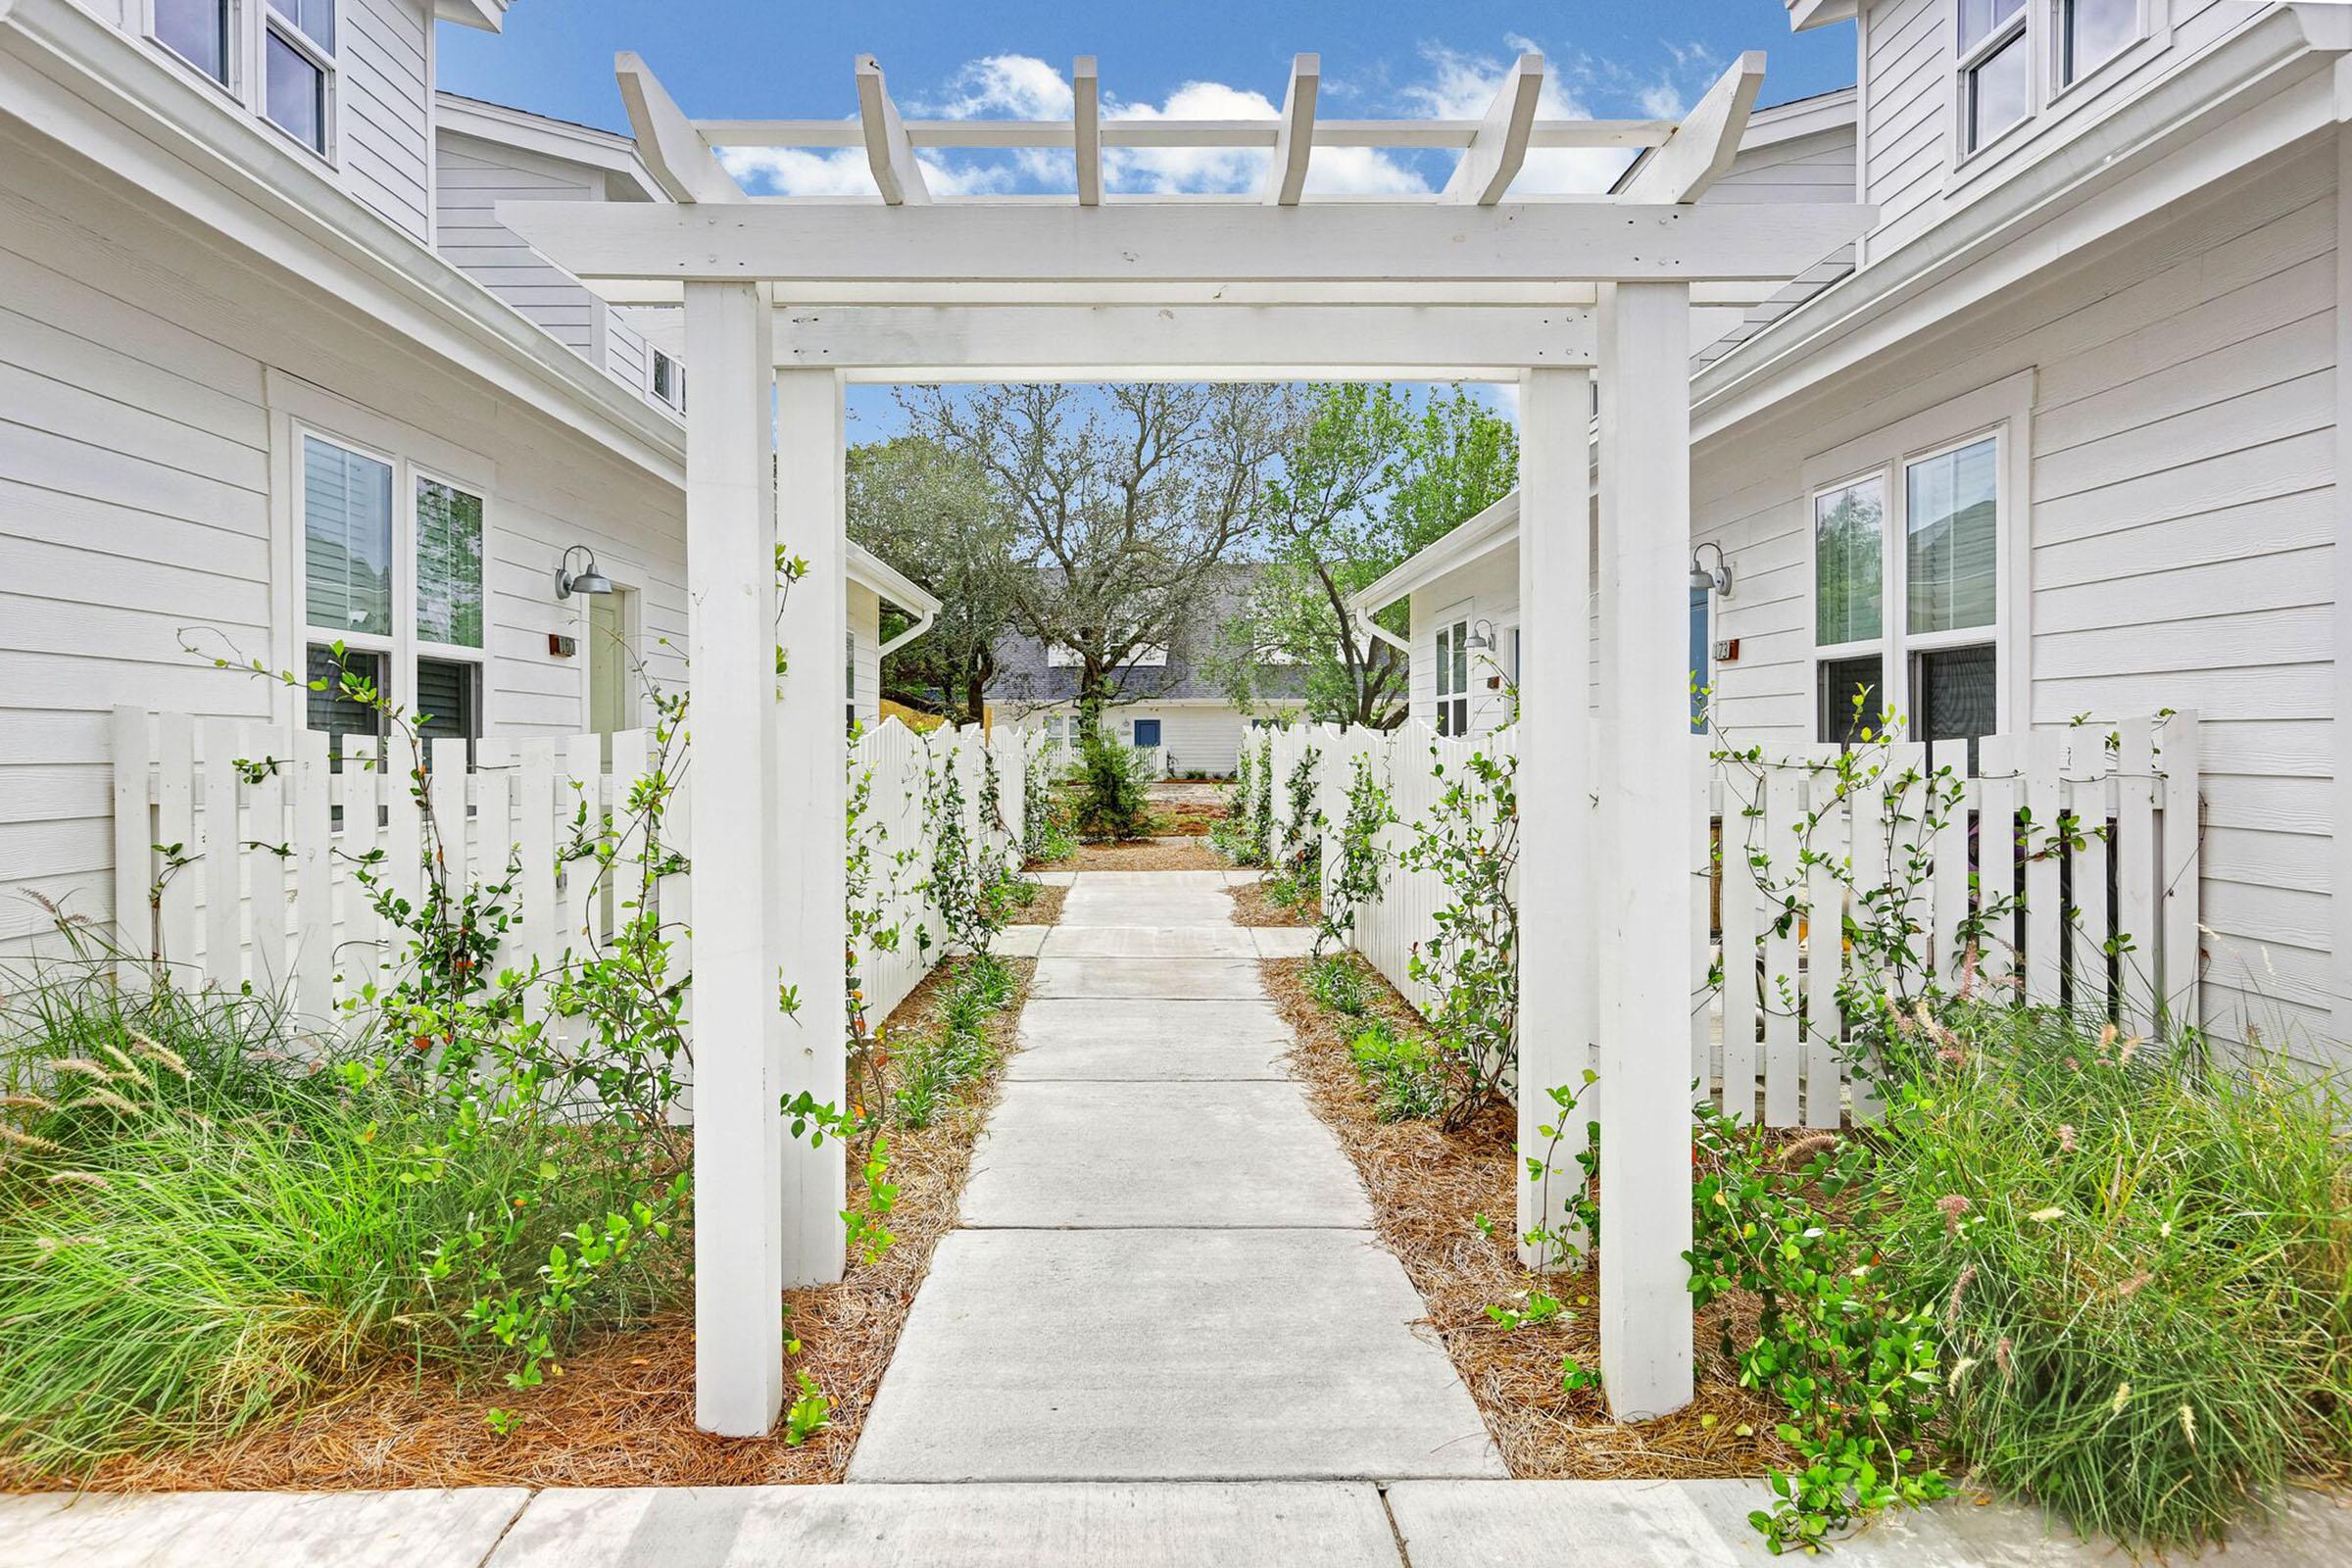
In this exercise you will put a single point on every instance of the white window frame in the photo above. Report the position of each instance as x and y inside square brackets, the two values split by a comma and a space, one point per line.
[2003, 412]
[2049, 98]
[655, 359]
[300, 410]
[250, 24]
[1454, 624]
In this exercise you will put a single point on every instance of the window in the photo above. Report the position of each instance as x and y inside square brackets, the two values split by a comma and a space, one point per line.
[669, 380]
[198, 31]
[1906, 610]
[276, 57]
[1147, 733]
[848, 664]
[1453, 679]
[1997, 72]
[2091, 32]
[1698, 660]
[399, 585]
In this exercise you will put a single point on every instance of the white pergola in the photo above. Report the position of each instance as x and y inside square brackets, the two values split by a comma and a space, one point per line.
[787, 297]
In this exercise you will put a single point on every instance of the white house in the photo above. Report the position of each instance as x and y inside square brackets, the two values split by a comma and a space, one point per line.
[270, 377]
[2064, 442]
[1170, 703]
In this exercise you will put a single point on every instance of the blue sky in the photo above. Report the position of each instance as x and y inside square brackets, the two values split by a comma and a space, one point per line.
[1204, 58]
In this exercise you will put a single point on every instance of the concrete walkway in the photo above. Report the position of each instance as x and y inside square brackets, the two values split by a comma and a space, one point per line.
[1412, 1524]
[1165, 1269]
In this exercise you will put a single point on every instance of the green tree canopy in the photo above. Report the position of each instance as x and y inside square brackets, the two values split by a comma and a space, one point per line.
[928, 510]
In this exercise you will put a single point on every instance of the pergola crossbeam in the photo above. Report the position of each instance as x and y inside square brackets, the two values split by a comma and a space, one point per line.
[1179, 243]
[1497, 153]
[1700, 151]
[888, 152]
[1294, 137]
[673, 151]
[1409, 135]
[1086, 129]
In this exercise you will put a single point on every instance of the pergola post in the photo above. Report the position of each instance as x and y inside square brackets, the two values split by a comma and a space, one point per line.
[810, 885]
[1644, 888]
[1556, 1007]
[738, 1029]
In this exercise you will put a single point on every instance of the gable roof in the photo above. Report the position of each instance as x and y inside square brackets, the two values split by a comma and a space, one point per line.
[1025, 675]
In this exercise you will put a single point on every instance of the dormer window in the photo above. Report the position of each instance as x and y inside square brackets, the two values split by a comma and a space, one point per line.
[1996, 72]
[276, 58]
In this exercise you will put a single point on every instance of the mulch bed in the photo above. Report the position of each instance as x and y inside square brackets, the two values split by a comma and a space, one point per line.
[621, 1414]
[1186, 820]
[1253, 907]
[1044, 906]
[1426, 1186]
[1140, 854]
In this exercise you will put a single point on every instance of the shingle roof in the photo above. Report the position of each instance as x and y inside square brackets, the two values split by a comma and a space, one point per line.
[1024, 676]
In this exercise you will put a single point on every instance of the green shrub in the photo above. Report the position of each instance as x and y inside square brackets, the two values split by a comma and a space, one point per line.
[1336, 982]
[2142, 1263]
[936, 1067]
[1400, 1072]
[201, 1224]
[1110, 800]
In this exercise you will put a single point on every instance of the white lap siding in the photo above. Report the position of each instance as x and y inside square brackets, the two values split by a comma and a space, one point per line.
[2181, 532]
[1483, 595]
[384, 86]
[136, 455]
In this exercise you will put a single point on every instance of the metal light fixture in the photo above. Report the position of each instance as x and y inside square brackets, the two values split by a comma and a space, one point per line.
[1482, 636]
[591, 582]
[1717, 581]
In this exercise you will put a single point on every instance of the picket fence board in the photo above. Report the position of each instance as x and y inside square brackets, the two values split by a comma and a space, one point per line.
[1918, 827]
[264, 888]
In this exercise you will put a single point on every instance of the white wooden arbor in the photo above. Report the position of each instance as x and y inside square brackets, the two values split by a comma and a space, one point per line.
[787, 297]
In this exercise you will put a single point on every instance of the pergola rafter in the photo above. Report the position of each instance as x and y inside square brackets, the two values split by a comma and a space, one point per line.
[787, 300]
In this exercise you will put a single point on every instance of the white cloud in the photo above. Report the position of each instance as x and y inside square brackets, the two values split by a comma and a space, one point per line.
[843, 172]
[1462, 85]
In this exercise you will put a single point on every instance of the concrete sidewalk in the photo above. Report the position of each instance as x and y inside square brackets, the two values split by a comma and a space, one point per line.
[1412, 1524]
[1166, 1269]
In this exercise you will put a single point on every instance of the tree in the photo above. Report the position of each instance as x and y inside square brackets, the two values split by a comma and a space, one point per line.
[929, 512]
[1367, 482]
[1124, 502]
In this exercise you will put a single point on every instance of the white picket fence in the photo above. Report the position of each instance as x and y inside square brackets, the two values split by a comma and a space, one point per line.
[2103, 918]
[238, 851]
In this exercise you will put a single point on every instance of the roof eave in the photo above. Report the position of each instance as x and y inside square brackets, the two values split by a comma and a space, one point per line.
[490, 16]
[1806, 14]
[870, 571]
[1477, 536]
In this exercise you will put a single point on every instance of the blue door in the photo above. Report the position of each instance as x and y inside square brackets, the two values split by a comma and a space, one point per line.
[1147, 732]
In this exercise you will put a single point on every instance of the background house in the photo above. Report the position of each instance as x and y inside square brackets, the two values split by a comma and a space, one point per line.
[2061, 447]
[271, 377]
[1169, 702]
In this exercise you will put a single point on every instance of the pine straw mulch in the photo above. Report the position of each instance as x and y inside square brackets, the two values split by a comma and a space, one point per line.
[1187, 819]
[1191, 854]
[1252, 905]
[1426, 1186]
[1044, 906]
[622, 1412]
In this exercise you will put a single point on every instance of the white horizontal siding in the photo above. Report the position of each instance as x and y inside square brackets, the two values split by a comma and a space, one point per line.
[865, 653]
[2182, 530]
[135, 510]
[474, 177]
[384, 92]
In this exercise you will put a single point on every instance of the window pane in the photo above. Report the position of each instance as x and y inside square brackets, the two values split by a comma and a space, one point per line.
[330, 710]
[315, 19]
[1996, 92]
[448, 565]
[1953, 539]
[1845, 720]
[1848, 533]
[197, 30]
[1978, 18]
[2091, 31]
[1698, 660]
[347, 539]
[295, 92]
[1461, 658]
[1954, 693]
[448, 700]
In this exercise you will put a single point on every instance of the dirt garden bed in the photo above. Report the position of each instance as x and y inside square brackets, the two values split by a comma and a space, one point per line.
[1254, 905]
[1044, 906]
[621, 1411]
[1174, 853]
[1445, 1205]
